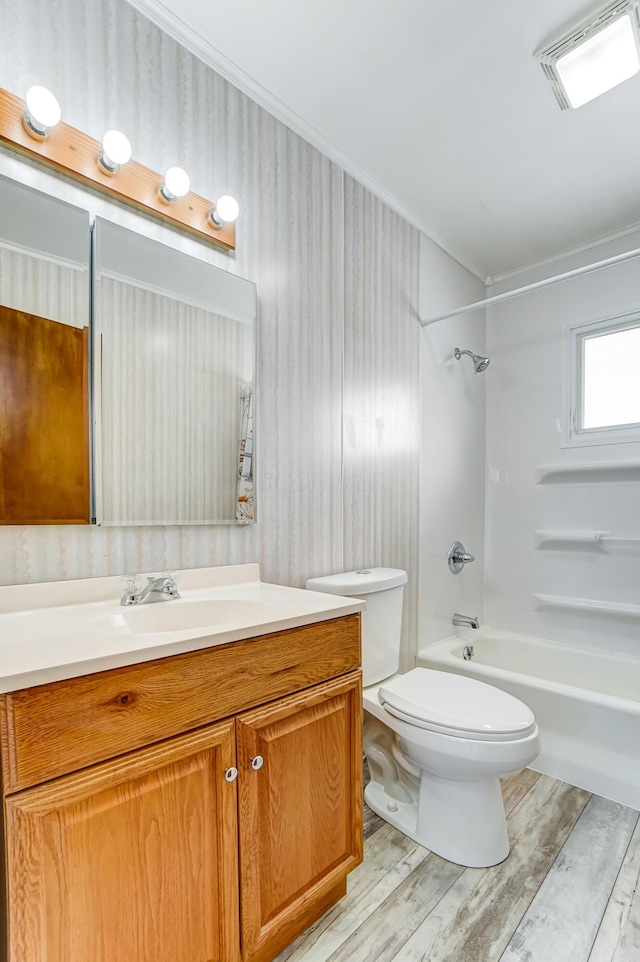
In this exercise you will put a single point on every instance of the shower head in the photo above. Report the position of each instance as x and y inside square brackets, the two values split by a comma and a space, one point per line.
[480, 364]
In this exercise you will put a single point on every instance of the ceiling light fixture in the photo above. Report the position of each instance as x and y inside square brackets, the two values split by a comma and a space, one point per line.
[116, 151]
[42, 113]
[225, 212]
[176, 184]
[595, 56]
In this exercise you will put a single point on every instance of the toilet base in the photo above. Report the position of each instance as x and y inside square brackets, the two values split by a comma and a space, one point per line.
[402, 815]
[463, 822]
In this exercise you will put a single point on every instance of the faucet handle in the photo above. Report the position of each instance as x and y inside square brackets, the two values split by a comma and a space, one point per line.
[458, 557]
[170, 588]
[131, 584]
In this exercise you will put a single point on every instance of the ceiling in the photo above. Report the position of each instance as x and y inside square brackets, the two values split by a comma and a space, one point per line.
[441, 110]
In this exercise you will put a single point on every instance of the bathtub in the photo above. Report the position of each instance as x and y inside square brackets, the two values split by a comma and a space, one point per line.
[586, 703]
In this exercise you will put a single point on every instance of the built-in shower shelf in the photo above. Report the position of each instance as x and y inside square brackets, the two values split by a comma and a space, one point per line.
[603, 540]
[614, 608]
[590, 472]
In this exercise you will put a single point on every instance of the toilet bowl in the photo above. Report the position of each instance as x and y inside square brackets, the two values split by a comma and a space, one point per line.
[447, 746]
[437, 743]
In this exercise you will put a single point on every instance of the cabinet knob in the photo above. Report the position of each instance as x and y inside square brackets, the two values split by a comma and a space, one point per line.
[257, 762]
[231, 774]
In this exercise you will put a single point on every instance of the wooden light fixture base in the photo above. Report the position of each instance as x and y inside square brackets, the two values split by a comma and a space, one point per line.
[75, 154]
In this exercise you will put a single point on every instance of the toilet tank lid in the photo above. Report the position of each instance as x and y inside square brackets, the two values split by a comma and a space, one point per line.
[361, 582]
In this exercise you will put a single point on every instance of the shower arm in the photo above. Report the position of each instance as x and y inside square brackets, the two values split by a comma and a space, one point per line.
[480, 364]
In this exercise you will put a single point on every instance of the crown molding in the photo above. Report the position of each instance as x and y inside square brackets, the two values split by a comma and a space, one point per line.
[571, 252]
[187, 37]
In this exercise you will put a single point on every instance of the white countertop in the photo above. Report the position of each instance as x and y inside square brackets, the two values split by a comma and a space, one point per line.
[69, 628]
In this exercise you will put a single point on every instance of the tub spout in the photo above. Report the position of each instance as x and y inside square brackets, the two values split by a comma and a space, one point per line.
[465, 621]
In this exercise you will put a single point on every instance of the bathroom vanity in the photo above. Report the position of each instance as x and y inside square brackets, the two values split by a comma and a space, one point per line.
[197, 798]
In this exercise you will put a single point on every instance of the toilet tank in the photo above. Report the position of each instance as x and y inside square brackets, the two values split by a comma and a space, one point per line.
[382, 589]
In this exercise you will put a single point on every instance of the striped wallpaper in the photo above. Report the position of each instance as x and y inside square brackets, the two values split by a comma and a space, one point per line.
[172, 382]
[337, 276]
[39, 286]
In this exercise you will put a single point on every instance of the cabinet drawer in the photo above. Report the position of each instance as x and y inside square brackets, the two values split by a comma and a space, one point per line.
[54, 729]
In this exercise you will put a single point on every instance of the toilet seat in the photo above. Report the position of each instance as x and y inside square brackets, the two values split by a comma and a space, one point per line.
[455, 705]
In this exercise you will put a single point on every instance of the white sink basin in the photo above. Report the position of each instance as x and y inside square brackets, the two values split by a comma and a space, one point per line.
[180, 615]
[68, 628]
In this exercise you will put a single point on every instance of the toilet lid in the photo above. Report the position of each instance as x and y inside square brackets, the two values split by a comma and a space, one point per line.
[456, 704]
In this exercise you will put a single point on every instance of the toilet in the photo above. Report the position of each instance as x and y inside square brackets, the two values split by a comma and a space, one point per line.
[437, 743]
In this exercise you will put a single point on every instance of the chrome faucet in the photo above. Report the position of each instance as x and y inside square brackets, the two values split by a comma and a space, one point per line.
[465, 621]
[156, 589]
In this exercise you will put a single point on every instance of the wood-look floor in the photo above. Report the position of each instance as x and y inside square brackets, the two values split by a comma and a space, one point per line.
[569, 891]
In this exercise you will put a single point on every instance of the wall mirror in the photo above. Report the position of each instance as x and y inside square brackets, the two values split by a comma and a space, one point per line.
[171, 405]
[174, 359]
[44, 359]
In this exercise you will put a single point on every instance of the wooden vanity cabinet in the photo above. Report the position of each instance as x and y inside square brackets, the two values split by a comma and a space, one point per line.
[300, 810]
[132, 859]
[163, 853]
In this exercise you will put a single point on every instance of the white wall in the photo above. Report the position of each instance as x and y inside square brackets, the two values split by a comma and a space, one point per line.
[452, 464]
[524, 409]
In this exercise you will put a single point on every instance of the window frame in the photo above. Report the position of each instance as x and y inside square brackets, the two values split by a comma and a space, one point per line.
[575, 337]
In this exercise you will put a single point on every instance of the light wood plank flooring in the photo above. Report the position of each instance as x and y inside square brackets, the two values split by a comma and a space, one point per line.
[569, 891]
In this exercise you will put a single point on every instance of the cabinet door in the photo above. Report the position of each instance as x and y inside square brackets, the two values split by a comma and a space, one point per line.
[300, 810]
[134, 859]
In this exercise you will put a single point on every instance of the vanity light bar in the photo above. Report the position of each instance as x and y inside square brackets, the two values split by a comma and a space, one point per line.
[75, 154]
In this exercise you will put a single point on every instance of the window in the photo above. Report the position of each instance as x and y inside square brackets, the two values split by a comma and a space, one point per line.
[605, 381]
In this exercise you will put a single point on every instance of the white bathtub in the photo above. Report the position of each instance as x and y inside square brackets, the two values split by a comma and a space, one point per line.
[586, 703]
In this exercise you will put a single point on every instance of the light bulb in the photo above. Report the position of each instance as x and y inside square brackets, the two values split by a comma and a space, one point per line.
[176, 184]
[227, 208]
[42, 113]
[116, 150]
[225, 211]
